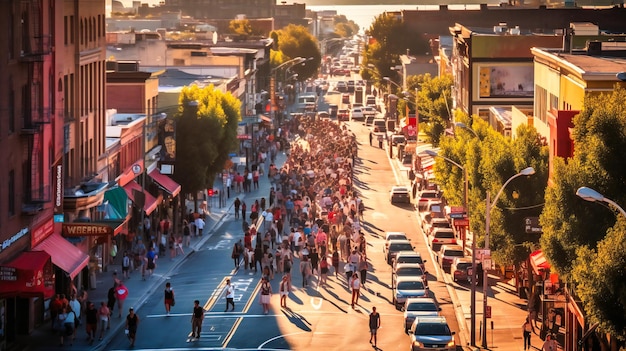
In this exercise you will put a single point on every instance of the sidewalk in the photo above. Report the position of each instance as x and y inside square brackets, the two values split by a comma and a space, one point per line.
[43, 338]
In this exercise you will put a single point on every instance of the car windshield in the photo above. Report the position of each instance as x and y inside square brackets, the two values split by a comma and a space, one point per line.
[454, 253]
[429, 195]
[409, 259]
[463, 266]
[431, 329]
[400, 247]
[422, 307]
[444, 235]
[409, 271]
[410, 285]
[400, 190]
[396, 237]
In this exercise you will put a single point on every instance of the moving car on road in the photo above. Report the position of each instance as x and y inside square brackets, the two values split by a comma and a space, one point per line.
[399, 193]
[407, 287]
[419, 307]
[431, 333]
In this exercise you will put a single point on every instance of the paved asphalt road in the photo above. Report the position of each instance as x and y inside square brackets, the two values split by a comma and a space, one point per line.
[319, 318]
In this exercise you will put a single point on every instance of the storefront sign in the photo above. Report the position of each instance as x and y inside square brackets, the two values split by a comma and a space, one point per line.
[86, 229]
[41, 232]
[58, 188]
[8, 274]
[17, 236]
[461, 222]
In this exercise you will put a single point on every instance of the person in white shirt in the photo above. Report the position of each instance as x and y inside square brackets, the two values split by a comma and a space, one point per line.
[199, 223]
[230, 295]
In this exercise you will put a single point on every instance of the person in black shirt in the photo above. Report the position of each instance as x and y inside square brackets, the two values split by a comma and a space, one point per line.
[132, 321]
[374, 324]
[196, 320]
[91, 321]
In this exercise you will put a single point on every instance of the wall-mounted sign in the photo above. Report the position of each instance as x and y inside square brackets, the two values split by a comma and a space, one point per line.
[86, 229]
[41, 232]
[531, 225]
[8, 274]
[15, 237]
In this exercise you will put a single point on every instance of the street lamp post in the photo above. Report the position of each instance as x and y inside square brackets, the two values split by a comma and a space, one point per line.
[466, 127]
[466, 206]
[594, 196]
[525, 172]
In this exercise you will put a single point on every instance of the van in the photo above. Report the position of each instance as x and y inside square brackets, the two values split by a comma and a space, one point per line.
[370, 100]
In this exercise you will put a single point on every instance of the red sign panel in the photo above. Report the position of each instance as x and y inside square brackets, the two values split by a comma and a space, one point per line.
[461, 222]
[41, 232]
[86, 229]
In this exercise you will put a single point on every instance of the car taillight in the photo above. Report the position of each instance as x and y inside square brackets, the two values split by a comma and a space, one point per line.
[435, 240]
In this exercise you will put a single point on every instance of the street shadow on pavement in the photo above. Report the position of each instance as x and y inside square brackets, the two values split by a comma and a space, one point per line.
[297, 319]
[336, 297]
[293, 297]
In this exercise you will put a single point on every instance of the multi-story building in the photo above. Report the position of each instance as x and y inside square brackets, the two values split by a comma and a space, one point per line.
[494, 66]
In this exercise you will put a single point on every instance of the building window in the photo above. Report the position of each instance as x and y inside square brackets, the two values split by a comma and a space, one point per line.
[541, 104]
[11, 107]
[554, 102]
[65, 30]
[11, 193]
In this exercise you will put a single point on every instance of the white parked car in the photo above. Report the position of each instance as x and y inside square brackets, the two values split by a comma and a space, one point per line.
[399, 193]
[419, 307]
[357, 114]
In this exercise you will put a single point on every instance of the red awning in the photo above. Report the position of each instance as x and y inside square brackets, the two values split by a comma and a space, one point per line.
[30, 274]
[150, 203]
[165, 182]
[266, 119]
[64, 255]
[539, 262]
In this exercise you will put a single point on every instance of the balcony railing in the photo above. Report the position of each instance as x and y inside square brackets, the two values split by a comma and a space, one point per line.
[32, 119]
[35, 48]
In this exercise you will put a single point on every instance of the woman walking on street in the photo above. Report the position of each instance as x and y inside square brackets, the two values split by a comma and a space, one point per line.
[266, 293]
[104, 315]
[355, 285]
[527, 330]
[305, 269]
[132, 321]
[362, 268]
[284, 289]
[168, 298]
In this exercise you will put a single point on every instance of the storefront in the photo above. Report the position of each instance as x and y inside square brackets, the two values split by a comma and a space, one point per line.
[26, 283]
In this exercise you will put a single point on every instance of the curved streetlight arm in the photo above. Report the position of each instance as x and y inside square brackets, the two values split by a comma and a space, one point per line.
[525, 172]
[392, 82]
[294, 61]
[466, 127]
[594, 196]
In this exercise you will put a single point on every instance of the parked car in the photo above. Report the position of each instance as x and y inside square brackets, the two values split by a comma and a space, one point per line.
[419, 307]
[356, 114]
[409, 257]
[369, 111]
[408, 270]
[459, 268]
[345, 98]
[447, 254]
[369, 120]
[433, 209]
[343, 114]
[431, 333]
[389, 236]
[399, 193]
[396, 246]
[407, 287]
[424, 197]
[441, 236]
[397, 139]
[341, 85]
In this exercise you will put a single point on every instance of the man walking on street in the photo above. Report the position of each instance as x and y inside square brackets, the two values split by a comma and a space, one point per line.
[197, 317]
[374, 325]
[371, 137]
[230, 295]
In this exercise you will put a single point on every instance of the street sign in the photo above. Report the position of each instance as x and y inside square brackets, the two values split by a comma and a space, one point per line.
[461, 222]
[482, 254]
[531, 225]
[488, 311]
[457, 215]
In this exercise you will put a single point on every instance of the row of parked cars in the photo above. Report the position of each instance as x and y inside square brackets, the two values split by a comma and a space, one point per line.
[427, 329]
[442, 238]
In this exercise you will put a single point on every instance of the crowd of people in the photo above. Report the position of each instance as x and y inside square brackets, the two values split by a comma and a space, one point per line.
[312, 217]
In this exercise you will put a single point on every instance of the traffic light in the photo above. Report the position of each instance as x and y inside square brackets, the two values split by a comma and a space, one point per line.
[211, 192]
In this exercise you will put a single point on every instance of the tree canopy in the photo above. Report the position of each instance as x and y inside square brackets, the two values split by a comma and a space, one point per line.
[205, 135]
[581, 240]
[490, 160]
[295, 41]
[345, 28]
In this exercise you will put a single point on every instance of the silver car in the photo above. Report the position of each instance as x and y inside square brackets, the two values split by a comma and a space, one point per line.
[407, 287]
[431, 333]
[419, 307]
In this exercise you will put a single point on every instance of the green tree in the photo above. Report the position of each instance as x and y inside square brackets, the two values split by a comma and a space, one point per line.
[343, 27]
[241, 27]
[433, 100]
[490, 161]
[205, 135]
[581, 240]
[295, 41]
[601, 280]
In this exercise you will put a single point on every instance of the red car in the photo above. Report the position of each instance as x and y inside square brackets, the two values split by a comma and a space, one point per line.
[343, 114]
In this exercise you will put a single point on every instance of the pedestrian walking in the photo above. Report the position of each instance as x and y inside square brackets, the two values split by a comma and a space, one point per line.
[121, 292]
[374, 325]
[305, 269]
[132, 322]
[230, 295]
[197, 317]
[244, 207]
[284, 289]
[150, 263]
[64, 324]
[111, 298]
[168, 298]
[323, 270]
[527, 330]
[266, 293]
[237, 252]
[237, 206]
[104, 316]
[186, 233]
[126, 266]
[199, 224]
[355, 285]
[371, 137]
[335, 262]
[91, 321]
[362, 268]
